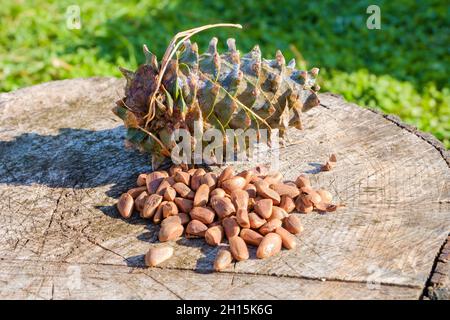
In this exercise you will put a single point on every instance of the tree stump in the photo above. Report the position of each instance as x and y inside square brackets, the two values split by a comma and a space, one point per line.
[63, 165]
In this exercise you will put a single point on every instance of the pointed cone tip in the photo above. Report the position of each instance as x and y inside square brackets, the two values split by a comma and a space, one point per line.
[231, 43]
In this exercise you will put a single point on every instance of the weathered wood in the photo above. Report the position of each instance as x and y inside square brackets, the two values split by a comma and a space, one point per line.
[62, 164]
[49, 280]
[438, 287]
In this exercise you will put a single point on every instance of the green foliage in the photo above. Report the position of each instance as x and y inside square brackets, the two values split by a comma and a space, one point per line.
[402, 68]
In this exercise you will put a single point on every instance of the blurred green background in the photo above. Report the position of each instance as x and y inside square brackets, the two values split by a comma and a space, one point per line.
[401, 69]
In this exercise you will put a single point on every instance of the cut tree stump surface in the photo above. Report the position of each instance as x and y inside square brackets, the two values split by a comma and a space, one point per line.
[63, 165]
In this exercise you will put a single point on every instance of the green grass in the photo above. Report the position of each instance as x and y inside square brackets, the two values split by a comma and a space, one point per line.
[401, 69]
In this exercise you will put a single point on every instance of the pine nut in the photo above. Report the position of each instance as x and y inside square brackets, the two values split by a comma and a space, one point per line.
[264, 207]
[170, 231]
[223, 260]
[292, 224]
[288, 239]
[196, 228]
[202, 214]
[251, 237]
[151, 204]
[125, 205]
[238, 248]
[214, 235]
[201, 196]
[269, 246]
[158, 255]
[230, 227]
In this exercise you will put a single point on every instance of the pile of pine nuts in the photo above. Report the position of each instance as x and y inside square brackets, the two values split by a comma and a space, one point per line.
[253, 207]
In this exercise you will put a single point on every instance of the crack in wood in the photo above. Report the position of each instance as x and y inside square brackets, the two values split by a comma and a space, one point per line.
[428, 284]
[164, 286]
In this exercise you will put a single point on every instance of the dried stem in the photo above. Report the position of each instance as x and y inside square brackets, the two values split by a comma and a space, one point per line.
[170, 52]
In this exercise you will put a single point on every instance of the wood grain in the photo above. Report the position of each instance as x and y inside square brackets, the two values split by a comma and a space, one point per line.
[62, 165]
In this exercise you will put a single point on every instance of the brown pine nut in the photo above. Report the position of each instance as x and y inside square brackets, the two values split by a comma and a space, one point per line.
[135, 192]
[270, 226]
[219, 192]
[140, 200]
[301, 207]
[247, 175]
[314, 198]
[183, 190]
[170, 231]
[232, 184]
[292, 224]
[210, 179]
[285, 190]
[214, 235]
[169, 209]
[162, 187]
[202, 214]
[251, 237]
[153, 180]
[223, 260]
[239, 198]
[263, 190]
[158, 216]
[140, 181]
[272, 178]
[170, 194]
[255, 220]
[151, 204]
[196, 228]
[158, 255]
[302, 181]
[264, 207]
[288, 239]
[242, 218]
[125, 205]
[196, 181]
[182, 177]
[222, 206]
[238, 248]
[230, 227]
[171, 219]
[226, 174]
[184, 205]
[278, 213]
[287, 204]
[270, 245]
[201, 196]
